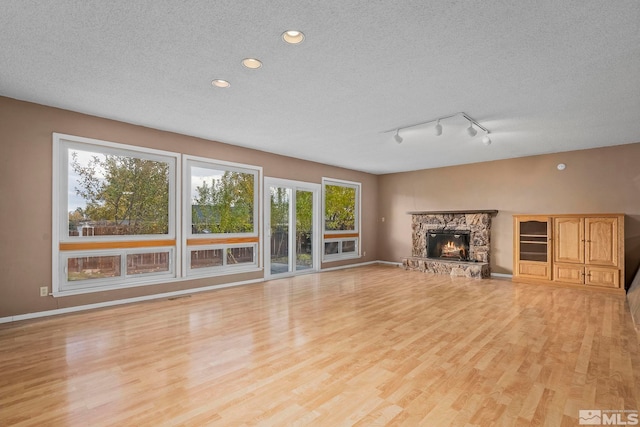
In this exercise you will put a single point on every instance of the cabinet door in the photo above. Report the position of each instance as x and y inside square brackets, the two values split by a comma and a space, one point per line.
[568, 240]
[602, 241]
[568, 273]
[532, 238]
[532, 250]
[602, 276]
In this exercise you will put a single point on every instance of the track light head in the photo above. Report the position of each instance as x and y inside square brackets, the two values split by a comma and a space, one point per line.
[438, 128]
[471, 131]
[397, 136]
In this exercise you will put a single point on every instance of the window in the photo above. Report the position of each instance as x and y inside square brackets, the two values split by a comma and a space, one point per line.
[116, 193]
[114, 215]
[341, 209]
[91, 269]
[221, 216]
[116, 210]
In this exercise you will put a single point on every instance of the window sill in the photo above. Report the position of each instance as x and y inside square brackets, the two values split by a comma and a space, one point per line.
[340, 257]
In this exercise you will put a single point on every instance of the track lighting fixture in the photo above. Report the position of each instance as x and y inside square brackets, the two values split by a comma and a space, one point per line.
[471, 130]
[397, 137]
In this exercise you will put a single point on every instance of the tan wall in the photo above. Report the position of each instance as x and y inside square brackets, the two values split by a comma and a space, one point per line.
[25, 194]
[598, 180]
[595, 181]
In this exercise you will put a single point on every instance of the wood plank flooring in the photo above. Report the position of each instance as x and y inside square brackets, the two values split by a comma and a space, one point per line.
[367, 346]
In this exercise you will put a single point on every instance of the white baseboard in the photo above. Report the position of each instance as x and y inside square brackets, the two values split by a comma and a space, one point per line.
[503, 275]
[397, 264]
[362, 264]
[55, 312]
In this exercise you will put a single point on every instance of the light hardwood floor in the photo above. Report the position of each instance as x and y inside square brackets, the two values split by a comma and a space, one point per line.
[365, 346]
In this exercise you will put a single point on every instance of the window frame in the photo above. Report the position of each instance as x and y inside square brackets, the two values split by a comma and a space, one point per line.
[341, 242]
[67, 142]
[225, 266]
[73, 286]
[329, 236]
[224, 241]
[65, 246]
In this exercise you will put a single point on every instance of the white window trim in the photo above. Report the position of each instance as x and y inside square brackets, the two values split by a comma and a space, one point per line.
[119, 282]
[64, 142]
[348, 255]
[60, 233]
[187, 162]
[340, 254]
[224, 268]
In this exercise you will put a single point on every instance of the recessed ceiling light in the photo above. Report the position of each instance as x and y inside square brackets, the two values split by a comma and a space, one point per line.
[252, 63]
[293, 36]
[220, 83]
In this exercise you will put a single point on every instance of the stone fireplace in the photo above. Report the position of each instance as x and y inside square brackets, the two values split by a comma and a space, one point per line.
[451, 242]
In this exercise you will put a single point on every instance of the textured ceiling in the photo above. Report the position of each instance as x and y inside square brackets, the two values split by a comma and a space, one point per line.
[543, 76]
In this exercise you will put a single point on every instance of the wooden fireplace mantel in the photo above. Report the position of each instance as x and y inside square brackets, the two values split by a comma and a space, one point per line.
[485, 211]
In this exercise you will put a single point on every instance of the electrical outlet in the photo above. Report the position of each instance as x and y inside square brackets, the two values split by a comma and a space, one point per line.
[44, 291]
[364, 253]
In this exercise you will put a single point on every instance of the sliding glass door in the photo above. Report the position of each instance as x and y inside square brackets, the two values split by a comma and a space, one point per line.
[291, 227]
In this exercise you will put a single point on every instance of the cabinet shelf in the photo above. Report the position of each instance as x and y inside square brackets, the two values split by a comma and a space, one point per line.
[534, 257]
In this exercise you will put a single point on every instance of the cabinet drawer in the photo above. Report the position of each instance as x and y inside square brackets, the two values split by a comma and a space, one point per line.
[568, 273]
[602, 276]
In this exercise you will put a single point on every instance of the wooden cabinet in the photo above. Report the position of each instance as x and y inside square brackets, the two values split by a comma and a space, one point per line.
[586, 250]
[581, 250]
[532, 249]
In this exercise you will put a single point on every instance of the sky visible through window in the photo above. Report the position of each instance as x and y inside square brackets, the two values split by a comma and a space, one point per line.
[76, 201]
[200, 176]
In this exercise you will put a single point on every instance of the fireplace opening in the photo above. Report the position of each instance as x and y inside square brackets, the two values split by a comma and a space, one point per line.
[448, 244]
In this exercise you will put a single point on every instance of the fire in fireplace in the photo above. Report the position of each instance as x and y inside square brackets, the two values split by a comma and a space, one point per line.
[448, 244]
